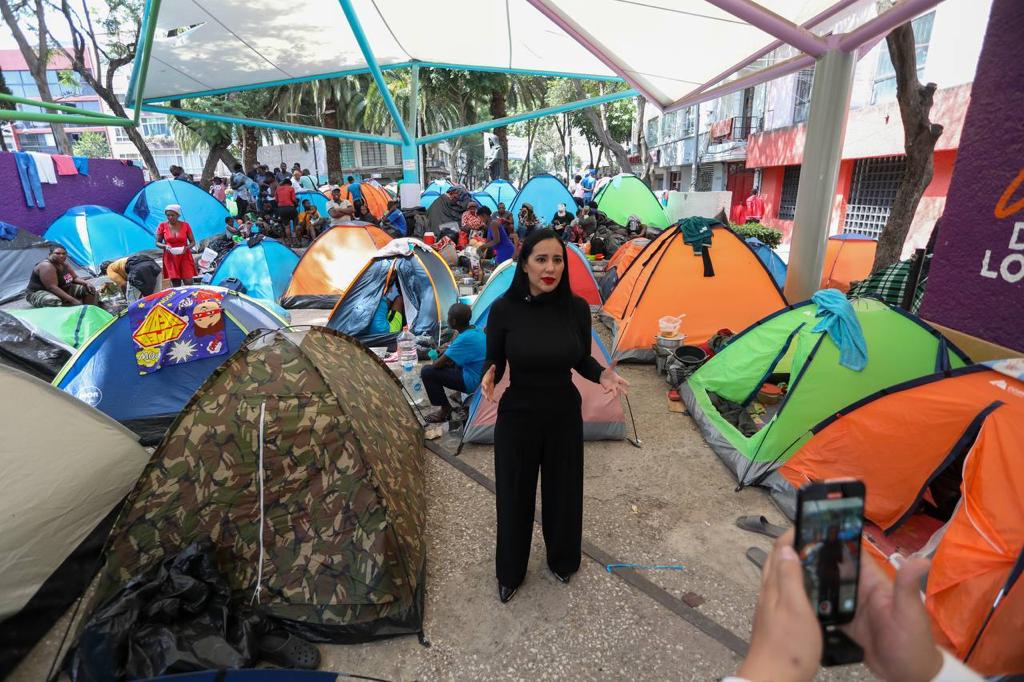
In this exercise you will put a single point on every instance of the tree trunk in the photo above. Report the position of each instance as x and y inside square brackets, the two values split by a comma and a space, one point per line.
[530, 134]
[919, 138]
[218, 152]
[250, 145]
[332, 145]
[641, 141]
[499, 109]
[597, 117]
[565, 157]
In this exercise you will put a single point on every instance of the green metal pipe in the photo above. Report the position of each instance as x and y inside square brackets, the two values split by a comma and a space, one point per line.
[529, 116]
[148, 30]
[66, 119]
[272, 125]
[56, 107]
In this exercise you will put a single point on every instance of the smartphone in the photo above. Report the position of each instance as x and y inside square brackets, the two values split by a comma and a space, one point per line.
[829, 522]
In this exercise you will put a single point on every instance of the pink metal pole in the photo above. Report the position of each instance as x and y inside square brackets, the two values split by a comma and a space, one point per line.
[781, 69]
[773, 24]
[884, 23]
[595, 48]
[809, 24]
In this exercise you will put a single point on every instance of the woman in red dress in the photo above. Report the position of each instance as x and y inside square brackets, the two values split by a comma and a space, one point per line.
[175, 238]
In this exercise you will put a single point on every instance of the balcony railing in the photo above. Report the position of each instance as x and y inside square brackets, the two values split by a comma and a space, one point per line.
[735, 129]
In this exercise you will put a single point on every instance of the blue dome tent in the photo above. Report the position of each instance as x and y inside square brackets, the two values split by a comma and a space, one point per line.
[776, 266]
[265, 269]
[318, 198]
[502, 191]
[417, 271]
[432, 191]
[485, 199]
[20, 252]
[93, 234]
[104, 373]
[544, 193]
[198, 208]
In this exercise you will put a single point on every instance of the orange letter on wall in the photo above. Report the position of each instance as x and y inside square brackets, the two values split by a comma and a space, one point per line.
[1004, 211]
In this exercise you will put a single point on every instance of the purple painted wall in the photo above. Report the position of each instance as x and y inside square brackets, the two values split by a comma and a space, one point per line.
[976, 281]
[110, 183]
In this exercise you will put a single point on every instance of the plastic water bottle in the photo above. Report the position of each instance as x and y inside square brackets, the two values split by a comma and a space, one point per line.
[407, 349]
[413, 384]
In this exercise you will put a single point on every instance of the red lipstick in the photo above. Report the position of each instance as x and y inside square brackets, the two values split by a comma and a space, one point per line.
[548, 280]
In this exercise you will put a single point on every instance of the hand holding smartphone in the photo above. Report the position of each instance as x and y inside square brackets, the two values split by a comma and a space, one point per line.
[829, 523]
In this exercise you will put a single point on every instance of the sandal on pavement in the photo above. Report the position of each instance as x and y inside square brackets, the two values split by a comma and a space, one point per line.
[760, 524]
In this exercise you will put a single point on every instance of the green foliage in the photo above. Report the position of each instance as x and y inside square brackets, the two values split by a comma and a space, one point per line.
[93, 145]
[619, 114]
[768, 235]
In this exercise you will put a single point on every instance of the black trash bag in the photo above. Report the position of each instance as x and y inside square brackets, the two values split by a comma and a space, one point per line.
[175, 617]
[22, 348]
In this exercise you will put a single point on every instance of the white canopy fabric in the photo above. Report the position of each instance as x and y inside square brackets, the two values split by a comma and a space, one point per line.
[665, 48]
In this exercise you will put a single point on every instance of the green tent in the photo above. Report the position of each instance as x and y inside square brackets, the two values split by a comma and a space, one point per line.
[301, 460]
[627, 195]
[72, 325]
[783, 348]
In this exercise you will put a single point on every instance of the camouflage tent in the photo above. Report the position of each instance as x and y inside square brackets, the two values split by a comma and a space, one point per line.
[301, 460]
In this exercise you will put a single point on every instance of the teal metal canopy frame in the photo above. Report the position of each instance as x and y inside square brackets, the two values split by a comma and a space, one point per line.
[409, 142]
[70, 116]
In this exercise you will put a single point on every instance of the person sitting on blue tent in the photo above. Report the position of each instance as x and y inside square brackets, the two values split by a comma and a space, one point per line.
[459, 367]
[54, 283]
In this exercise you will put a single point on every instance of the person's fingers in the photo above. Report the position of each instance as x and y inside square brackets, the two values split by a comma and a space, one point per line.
[907, 590]
[789, 578]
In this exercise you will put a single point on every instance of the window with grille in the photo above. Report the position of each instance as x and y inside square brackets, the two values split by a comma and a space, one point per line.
[348, 154]
[802, 95]
[872, 191]
[675, 179]
[885, 76]
[653, 127]
[790, 184]
[705, 177]
[373, 153]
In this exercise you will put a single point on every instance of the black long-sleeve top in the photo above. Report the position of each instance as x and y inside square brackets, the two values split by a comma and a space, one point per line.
[542, 343]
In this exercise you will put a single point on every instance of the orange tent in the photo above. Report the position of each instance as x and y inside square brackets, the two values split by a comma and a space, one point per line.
[909, 444]
[627, 253]
[848, 259]
[331, 263]
[668, 278]
[376, 197]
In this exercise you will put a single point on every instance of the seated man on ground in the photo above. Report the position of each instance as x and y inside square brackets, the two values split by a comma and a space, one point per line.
[55, 283]
[459, 368]
[395, 224]
[137, 276]
[311, 223]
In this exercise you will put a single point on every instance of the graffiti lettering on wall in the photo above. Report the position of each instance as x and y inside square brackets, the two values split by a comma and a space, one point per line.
[1008, 265]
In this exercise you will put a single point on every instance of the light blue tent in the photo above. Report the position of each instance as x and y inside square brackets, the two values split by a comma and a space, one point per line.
[407, 266]
[775, 265]
[93, 234]
[265, 269]
[198, 208]
[104, 373]
[544, 193]
[432, 191]
[485, 199]
[502, 191]
[318, 199]
[497, 284]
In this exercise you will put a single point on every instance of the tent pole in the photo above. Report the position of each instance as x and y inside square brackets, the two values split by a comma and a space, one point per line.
[540, 113]
[774, 25]
[148, 31]
[823, 151]
[371, 63]
[410, 152]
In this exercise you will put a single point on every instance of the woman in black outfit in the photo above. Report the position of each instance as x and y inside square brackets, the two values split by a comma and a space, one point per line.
[542, 332]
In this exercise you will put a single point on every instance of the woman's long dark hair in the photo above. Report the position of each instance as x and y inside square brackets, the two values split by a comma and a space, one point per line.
[520, 288]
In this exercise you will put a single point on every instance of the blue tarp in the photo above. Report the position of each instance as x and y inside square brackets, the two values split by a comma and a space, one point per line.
[544, 193]
[198, 208]
[776, 266]
[104, 373]
[264, 269]
[93, 234]
[502, 191]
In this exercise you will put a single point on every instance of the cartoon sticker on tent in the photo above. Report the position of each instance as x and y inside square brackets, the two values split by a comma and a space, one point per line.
[177, 327]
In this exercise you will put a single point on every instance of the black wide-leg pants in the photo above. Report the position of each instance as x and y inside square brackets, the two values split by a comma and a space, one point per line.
[549, 442]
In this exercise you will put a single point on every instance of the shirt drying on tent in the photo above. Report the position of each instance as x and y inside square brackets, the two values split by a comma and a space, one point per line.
[697, 232]
[840, 321]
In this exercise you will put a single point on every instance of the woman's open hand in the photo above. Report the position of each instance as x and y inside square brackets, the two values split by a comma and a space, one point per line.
[611, 382]
[487, 384]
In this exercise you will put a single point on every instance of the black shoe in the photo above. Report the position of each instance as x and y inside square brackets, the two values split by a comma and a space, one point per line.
[505, 594]
[563, 578]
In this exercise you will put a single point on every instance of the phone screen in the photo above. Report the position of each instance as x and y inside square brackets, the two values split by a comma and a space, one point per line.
[828, 543]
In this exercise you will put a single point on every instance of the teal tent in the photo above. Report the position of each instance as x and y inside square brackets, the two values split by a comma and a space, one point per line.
[485, 199]
[432, 191]
[502, 191]
[318, 199]
[264, 269]
[198, 208]
[544, 193]
[93, 234]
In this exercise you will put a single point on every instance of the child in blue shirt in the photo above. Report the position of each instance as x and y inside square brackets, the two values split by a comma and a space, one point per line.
[459, 368]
